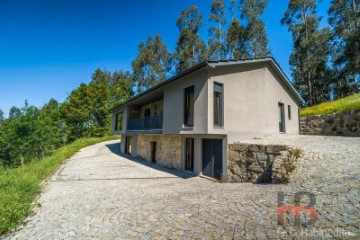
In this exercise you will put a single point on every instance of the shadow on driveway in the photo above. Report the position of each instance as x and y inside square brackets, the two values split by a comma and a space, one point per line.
[115, 148]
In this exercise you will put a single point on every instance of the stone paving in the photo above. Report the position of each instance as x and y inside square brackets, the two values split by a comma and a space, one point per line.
[99, 194]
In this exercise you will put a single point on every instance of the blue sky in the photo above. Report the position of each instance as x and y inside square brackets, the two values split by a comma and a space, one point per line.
[48, 47]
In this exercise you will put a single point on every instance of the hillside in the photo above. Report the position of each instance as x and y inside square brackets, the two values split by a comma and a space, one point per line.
[340, 105]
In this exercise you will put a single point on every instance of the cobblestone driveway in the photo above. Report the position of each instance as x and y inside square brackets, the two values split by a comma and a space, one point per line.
[101, 195]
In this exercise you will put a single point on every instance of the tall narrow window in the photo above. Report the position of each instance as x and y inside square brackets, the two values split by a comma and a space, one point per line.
[281, 117]
[289, 112]
[218, 104]
[189, 106]
[119, 121]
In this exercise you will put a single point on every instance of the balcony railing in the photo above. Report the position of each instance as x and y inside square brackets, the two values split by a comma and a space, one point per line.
[149, 123]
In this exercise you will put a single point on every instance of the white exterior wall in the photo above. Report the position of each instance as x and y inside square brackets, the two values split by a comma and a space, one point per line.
[173, 112]
[251, 97]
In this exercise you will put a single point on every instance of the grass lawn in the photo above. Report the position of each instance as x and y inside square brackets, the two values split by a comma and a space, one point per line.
[340, 105]
[19, 186]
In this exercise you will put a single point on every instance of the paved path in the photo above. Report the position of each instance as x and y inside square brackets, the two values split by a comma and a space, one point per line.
[101, 195]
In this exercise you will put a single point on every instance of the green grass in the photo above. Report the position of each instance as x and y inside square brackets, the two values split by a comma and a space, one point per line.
[340, 105]
[20, 186]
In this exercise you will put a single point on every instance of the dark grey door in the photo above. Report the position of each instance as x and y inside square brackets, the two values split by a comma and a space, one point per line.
[212, 158]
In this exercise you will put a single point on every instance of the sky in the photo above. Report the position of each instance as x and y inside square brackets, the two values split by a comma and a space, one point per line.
[49, 47]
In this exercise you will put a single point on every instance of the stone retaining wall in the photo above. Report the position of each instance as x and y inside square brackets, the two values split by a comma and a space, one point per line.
[337, 124]
[261, 163]
[168, 149]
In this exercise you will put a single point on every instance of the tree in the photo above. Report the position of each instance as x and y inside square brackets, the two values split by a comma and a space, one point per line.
[121, 85]
[250, 10]
[14, 112]
[18, 142]
[152, 63]
[216, 31]
[236, 41]
[76, 113]
[2, 118]
[51, 130]
[100, 76]
[310, 53]
[190, 48]
[344, 18]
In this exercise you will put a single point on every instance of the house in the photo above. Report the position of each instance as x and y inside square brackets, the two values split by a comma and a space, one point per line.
[187, 122]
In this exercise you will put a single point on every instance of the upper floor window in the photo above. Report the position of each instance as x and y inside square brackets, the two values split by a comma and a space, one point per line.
[289, 112]
[189, 106]
[218, 104]
[119, 121]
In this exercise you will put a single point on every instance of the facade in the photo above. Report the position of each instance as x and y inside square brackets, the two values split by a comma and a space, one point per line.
[188, 121]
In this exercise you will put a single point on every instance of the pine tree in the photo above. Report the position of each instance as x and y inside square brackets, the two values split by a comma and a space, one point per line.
[257, 42]
[190, 48]
[310, 53]
[344, 18]
[216, 31]
[152, 64]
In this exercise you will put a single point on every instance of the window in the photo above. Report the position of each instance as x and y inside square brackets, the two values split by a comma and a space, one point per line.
[134, 114]
[189, 106]
[218, 104]
[289, 112]
[281, 117]
[119, 121]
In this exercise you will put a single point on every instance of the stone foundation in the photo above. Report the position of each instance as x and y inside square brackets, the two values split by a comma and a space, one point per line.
[261, 163]
[168, 149]
[338, 124]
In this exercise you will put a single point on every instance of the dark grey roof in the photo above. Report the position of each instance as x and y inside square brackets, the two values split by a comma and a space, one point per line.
[214, 64]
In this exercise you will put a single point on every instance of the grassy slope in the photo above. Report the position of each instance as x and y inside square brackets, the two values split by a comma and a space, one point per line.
[19, 186]
[340, 105]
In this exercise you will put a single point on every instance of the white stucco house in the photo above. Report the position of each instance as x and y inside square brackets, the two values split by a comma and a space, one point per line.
[187, 121]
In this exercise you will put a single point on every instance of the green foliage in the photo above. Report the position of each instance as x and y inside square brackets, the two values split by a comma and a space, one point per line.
[297, 153]
[19, 186]
[152, 63]
[310, 54]
[257, 42]
[216, 40]
[340, 105]
[236, 41]
[30, 133]
[190, 48]
[18, 135]
[344, 18]
[2, 118]
[121, 85]
[86, 112]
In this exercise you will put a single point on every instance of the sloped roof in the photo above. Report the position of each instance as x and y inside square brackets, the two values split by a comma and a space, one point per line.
[213, 64]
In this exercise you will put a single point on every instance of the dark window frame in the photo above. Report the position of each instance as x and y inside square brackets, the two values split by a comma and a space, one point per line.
[282, 117]
[218, 120]
[187, 92]
[289, 112]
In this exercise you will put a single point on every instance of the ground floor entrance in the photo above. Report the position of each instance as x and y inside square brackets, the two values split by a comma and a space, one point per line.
[212, 152]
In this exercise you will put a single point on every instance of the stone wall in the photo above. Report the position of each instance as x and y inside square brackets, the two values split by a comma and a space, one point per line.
[261, 163]
[168, 149]
[338, 124]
